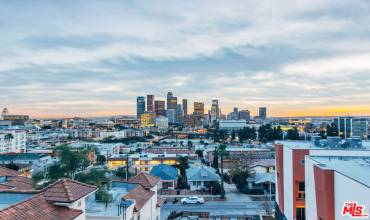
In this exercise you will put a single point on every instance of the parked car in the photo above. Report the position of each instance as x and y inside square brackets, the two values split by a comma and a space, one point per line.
[192, 200]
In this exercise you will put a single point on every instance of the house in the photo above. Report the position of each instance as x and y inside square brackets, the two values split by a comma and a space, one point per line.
[263, 166]
[65, 200]
[135, 199]
[167, 174]
[200, 176]
[261, 183]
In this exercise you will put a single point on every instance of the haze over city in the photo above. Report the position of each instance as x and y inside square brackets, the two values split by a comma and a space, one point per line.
[93, 58]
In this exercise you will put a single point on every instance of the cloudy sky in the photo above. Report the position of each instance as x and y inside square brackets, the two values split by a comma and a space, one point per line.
[87, 58]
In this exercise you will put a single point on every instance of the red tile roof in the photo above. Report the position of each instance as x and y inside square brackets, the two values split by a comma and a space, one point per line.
[160, 201]
[66, 190]
[20, 183]
[8, 172]
[145, 180]
[140, 195]
[37, 207]
[14, 181]
[42, 207]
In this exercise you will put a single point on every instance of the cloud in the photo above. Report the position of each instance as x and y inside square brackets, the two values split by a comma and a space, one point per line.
[94, 57]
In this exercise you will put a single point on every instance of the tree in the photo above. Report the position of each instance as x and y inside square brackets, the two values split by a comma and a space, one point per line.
[103, 196]
[36, 177]
[293, 134]
[267, 133]
[100, 159]
[199, 153]
[247, 134]
[8, 137]
[121, 172]
[55, 172]
[71, 160]
[239, 178]
[215, 160]
[222, 152]
[12, 166]
[93, 177]
[332, 130]
[182, 166]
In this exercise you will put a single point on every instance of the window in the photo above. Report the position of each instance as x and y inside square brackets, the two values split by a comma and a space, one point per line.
[302, 162]
[300, 214]
[301, 191]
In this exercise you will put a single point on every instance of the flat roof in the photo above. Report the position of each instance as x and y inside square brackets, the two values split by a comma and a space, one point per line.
[309, 145]
[118, 191]
[357, 168]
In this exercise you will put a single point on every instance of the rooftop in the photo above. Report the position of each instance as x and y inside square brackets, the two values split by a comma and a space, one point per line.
[202, 173]
[164, 172]
[66, 190]
[22, 156]
[145, 180]
[309, 145]
[42, 206]
[118, 191]
[355, 168]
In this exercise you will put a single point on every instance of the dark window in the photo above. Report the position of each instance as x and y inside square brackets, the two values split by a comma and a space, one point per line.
[300, 214]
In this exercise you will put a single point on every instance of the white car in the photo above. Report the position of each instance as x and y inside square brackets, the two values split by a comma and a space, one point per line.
[192, 200]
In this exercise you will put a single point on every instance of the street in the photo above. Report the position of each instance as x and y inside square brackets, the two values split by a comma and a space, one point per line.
[215, 208]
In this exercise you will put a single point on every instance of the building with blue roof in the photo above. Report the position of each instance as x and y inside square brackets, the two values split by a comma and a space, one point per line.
[168, 175]
[199, 177]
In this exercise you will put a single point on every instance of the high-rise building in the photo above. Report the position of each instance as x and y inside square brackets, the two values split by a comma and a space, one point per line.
[171, 101]
[198, 109]
[179, 114]
[171, 115]
[215, 111]
[160, 107]
[150, 103]
[262, 113]
[360, 127]
[245, 115]
[185, 106]
[235, 114]
[344, 125]
[140, 106]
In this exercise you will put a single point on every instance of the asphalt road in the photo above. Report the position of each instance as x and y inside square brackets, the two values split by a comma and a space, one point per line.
[215, 208]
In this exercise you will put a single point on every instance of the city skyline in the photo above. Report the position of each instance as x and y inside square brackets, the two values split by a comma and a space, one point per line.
[94, 58]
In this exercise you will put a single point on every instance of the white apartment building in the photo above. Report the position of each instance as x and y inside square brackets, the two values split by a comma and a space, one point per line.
[295, 178]
[12, 141]
[333, 183]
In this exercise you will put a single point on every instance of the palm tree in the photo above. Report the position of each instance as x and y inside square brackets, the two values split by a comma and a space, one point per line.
[222, 153]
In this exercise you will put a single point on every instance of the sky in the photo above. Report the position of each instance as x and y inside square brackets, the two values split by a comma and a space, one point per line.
[92, 58]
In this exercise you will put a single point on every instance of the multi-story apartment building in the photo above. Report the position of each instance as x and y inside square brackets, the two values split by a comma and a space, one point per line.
[12, 141]
[145, 162]
[337, 187]
[292, 173]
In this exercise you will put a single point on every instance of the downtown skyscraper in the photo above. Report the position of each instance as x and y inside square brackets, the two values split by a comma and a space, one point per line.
[140, 106]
